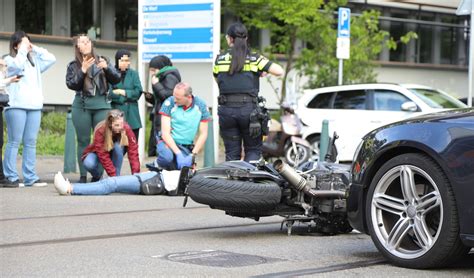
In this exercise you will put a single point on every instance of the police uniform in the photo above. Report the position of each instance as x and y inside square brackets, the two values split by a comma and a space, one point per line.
[237, 100]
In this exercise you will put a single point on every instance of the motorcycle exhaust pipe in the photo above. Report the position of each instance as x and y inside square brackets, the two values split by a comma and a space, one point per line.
[299, 183]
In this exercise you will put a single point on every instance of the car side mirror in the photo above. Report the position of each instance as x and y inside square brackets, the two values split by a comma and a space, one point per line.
[409, 106]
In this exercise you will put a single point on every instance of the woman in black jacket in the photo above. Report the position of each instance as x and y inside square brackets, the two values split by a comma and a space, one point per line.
[164, 78]
[89, 76]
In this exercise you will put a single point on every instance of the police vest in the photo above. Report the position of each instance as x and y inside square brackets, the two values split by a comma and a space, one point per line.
[245, 81]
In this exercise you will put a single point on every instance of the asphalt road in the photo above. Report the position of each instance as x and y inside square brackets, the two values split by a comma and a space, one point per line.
[44, 234]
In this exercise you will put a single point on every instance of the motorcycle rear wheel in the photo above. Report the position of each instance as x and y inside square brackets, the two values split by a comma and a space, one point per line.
[229, 193]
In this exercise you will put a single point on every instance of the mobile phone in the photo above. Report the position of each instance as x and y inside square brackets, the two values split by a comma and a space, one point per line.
[19, 75]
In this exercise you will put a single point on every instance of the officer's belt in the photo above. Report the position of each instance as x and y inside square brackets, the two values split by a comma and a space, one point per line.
[236, 98]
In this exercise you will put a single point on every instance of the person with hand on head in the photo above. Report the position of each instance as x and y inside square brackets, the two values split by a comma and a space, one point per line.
[127, 92]
[23, 115]
[89, 75]
[237, 72]
[4, 82]
[112, 138]
[182, 116]
[164, 77]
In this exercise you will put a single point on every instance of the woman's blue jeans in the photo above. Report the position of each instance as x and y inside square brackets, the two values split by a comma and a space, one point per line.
[124, 184]
[22, 127]
[91, 162]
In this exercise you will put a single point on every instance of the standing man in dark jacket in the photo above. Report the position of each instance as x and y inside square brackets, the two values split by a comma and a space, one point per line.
[164, 79]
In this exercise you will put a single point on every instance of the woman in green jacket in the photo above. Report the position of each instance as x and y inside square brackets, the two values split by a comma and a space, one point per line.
[125, 94]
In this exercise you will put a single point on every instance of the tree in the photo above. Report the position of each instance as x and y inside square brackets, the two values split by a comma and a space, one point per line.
[315, 23]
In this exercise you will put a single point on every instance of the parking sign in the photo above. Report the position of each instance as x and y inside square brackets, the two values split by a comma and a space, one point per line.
[343, 33]
[344, 23]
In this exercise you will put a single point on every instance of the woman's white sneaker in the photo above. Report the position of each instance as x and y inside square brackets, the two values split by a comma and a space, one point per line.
[62, 185]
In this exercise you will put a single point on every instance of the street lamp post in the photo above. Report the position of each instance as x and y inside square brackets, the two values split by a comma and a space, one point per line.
[467, 8]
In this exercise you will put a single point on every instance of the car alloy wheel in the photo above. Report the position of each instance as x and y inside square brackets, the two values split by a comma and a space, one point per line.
[407, 209]
[412, 214]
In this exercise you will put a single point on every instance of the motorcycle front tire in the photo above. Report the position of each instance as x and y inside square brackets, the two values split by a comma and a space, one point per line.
[301, 150]
[230, 193]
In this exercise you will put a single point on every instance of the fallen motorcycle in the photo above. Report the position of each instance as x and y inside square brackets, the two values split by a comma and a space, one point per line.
[315, 194]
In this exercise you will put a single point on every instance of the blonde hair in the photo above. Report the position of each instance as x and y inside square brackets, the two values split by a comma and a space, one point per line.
[108, 133]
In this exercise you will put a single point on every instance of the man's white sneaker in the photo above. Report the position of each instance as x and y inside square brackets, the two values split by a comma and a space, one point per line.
[37, 183]
[62, 186]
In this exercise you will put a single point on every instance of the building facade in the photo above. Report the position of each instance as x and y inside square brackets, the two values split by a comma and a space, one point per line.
[438, 58]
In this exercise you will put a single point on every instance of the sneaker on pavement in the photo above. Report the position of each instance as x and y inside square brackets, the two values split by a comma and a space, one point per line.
[82, 179]
[11, 184]
[94, 179]
[37, 183]
[62, 185]
[57, 177]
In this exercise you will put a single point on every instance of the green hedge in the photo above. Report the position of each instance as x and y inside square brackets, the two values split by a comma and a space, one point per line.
[51, 138]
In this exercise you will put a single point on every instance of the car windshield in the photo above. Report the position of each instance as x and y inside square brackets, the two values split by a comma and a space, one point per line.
[435, 99]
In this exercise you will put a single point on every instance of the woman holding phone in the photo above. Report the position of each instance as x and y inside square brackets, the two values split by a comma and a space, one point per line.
[89, 75]
[23, 115]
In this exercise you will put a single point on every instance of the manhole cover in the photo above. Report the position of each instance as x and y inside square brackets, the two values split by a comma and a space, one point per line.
[218, 258]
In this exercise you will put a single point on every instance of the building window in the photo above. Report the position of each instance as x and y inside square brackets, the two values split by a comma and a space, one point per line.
[126, 20]
[84, 19]
[30, 16]
[424, 43]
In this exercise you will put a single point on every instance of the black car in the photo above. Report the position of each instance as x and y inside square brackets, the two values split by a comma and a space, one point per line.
[413, 189]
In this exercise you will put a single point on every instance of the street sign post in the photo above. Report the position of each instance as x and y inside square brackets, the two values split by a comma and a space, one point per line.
[187, 31]
[181, 30]
[466, 7]
[343, 38]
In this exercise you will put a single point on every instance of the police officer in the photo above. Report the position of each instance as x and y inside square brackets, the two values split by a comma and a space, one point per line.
[237, 72]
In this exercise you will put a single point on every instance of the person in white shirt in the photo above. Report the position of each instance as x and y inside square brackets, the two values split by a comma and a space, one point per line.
[23, 115]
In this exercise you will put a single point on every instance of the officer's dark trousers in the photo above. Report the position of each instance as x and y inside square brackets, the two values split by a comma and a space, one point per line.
[234, 120]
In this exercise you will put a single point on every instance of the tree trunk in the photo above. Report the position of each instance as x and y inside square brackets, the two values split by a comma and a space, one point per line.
[289, 64]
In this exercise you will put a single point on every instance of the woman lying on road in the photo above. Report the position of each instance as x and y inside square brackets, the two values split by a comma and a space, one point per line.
[147, 183]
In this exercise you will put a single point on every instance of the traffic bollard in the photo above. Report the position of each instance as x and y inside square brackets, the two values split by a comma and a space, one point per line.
[70, 146]
[324, 140]
[209, 147]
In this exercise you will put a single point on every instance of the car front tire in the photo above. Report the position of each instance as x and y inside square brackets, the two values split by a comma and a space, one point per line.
[412, 215]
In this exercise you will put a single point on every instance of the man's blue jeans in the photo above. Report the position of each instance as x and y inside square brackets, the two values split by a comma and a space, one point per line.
[22, 127]
[91, 162]
[125, 184]
[166, 158]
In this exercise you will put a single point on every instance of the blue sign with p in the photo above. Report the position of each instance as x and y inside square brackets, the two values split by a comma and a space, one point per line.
[344, 23]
